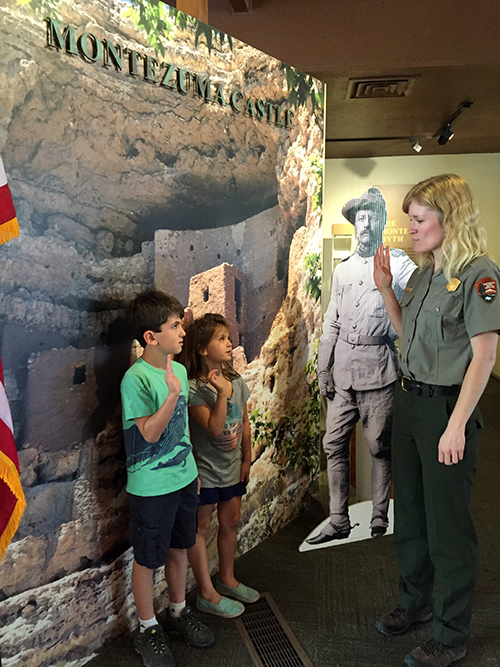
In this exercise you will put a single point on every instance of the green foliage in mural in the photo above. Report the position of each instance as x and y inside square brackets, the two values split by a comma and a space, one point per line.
[43, 7]
[211, 36]
[152, 16]
[316, 164]
[157, 20]
[312, 263]
[295, 437]
[302, 88]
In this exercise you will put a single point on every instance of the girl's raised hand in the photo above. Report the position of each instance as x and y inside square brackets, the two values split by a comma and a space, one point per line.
[382, 268]
[216, 380]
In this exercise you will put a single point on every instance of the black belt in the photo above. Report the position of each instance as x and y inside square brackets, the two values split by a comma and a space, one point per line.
[423, 389]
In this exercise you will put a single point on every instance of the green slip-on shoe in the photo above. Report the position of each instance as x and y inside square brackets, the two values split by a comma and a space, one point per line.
[241, 592]
[225, 609]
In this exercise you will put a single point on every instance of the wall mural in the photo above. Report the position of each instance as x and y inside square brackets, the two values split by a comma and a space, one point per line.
[143, 148]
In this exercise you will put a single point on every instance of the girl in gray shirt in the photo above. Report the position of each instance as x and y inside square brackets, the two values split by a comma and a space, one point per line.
[220, 433]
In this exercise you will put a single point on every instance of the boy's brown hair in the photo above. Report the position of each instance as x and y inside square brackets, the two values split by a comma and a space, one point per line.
[149, 310]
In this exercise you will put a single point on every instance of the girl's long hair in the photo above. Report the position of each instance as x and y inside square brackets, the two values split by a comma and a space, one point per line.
[198, 335]
[451, 198]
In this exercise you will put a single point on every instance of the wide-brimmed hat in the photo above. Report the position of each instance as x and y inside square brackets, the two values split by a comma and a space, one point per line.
[371, 199]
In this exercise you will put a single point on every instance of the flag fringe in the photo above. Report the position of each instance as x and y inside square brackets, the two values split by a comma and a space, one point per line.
[9, 230]
[10, 475]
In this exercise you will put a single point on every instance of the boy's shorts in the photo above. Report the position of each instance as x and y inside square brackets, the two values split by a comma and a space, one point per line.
[215, 495]
[158, 523]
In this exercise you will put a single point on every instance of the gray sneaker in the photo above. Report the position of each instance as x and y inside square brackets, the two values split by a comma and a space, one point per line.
[435, 654]
[398, 620]
[153, 648]
[189, 626]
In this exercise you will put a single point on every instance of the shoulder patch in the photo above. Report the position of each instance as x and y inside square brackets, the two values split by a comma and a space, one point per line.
[397, 252]
[487, 288]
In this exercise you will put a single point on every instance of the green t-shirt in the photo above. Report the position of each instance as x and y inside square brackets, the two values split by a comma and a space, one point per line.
[156, 468]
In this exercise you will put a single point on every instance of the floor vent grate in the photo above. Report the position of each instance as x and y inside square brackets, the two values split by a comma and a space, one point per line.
[268, 636]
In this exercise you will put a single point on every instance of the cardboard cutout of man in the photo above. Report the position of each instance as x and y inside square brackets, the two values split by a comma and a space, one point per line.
[357, 366]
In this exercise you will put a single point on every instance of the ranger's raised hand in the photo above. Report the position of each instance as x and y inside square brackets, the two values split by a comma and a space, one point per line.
[382, 274]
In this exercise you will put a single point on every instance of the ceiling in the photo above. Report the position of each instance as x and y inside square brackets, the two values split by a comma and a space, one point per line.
[450, 47]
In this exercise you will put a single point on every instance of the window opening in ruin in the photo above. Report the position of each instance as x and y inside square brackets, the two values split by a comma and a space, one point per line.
[271, 383]
[237, 299]
[205, 294]
[79, 374]
[240, 339]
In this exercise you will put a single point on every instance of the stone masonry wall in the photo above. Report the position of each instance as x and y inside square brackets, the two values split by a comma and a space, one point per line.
[254, 246]
[221, 290]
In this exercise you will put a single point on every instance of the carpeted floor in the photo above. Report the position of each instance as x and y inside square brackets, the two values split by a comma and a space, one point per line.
[331, 598]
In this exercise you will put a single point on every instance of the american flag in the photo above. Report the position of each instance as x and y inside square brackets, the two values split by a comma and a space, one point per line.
[12, 502]
[9, 227]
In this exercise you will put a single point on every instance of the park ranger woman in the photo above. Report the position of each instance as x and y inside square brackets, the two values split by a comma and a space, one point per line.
[448, 322]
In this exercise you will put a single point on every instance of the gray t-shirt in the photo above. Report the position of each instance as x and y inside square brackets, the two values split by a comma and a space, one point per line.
[218, 457]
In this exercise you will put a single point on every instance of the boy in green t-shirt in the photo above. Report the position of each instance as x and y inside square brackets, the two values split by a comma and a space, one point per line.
[161, 474]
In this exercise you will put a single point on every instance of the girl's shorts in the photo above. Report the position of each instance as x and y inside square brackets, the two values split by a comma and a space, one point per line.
[214, 495]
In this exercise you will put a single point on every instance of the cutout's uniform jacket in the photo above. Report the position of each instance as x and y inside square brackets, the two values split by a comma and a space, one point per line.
[357, 347]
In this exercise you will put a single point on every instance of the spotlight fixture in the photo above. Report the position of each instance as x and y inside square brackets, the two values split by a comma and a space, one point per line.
[415, 144]
[445, 133]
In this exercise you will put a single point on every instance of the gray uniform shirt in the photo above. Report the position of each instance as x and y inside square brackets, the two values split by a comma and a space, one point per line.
[438, 323]
[356, 310]
[219, 457]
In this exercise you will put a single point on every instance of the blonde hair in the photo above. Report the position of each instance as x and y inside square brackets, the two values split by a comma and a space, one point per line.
[451, 198]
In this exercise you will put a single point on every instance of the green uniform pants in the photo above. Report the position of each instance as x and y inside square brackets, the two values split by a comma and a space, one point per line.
[434, 535]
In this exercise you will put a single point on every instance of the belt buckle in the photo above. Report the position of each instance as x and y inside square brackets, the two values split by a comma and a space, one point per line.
[402, 382]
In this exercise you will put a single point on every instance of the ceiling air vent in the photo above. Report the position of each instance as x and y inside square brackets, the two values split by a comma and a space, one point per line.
[368, 89]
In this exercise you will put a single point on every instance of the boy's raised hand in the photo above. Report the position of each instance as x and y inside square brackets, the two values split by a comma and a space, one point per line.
[172, 381]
